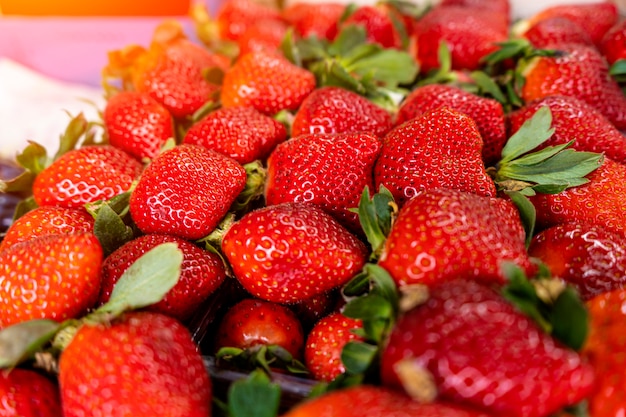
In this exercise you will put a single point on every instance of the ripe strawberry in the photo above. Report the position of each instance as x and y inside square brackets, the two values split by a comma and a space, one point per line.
[487, 113]
[439, 148]
[54, 276]
[328, 170]
[252, 322]
[263, 34]
[378, 22]
[502, 7]
[202, 272]
[291, 251]
[313, 309]
[579, 71]
[26, 393]
[363, 400]
[483, 352]
[186, 191]
[587, 256]
[324, 343]
[234, 17]
[85, 175]
[241, 133]
[573, 119]
[143, 364]
[47, 220]
[337, 110]
[318, 19]
[137, 123]
[445, 234]
[556, 30]
[266, 81]
[613, 44]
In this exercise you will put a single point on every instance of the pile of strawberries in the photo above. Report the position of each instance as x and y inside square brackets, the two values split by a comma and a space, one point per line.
[395, 210]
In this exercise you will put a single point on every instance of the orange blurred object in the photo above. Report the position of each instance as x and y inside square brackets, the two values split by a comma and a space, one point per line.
[94, 7]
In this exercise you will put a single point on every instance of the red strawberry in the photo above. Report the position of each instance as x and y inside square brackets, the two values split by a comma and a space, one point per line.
[579, 71]
[337, 110]
[241, 133]
[311, 310]
[587, 256]
[47, 220]
[234, 17]
[266, 81]
[483, 352]
[573, 119]
[26, 393]
[137, 123]
[186, 191]
[263, 34]
[291, 251]
[440, 148]
[202, 272]
[322, 353]
[556, 30]
[314, 19]
[85, 175]
[251, 323]
[502, 7]
[363, 400]
[143, 364]
[378, 22]
[445, 234]
[54, 276]
[487, 113]
[613, 44]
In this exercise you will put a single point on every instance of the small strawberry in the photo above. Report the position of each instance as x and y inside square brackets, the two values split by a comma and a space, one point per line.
[26, 393]
[53, 276]
[137, 123]
[480, 351]
[266, 81]
[318, 19]
[242, 133]
[142, 364]
[337, 110]
[263, 34]
[439, 148]
[291, 251]
[556, 30]
[234, 17]
[47, 220]
[324, 343]
[613, 44]
[85, 175]
[186, 191]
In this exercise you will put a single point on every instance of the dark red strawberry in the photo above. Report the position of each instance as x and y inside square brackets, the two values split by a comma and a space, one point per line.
[234, 17]
[318, 19]
[26, 393]
[311, 310]
[613, 44]
[186, 191]
[556, 30]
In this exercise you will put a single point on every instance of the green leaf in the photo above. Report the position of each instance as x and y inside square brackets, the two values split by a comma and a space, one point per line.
[618, 68]
[349, 38]
[390, 67]
[146, 281]
[289, 48]
[21, 341]
[20, 186]
[533, 132]
[570, 319]
[383, 284]
[528, 213]
[368, 307]
[33, 157]
[357, 357]
[513, 48]
[358, 285]
[376, 216]
[488, 85]
[254, 396]
[75, 130]
[111, 230]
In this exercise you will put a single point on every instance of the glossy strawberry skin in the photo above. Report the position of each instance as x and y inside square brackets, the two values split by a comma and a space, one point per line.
[47, 220]
[242, 133]
[202, 273]
[263, 34]
[137, 123]
[502, 7]
[487, 113]
[26, 393]
[85, 175]
[319, 19]
[128, 365]
[337, 110]
[613, 44]
[328, 170]
[556, 30]
[292, 251]
[266, 81]
[252, 322]
[483, 352]
[54, 276]
[445, 234]
[440, 148]
[186, 191]
[234, 17]
[378, 24]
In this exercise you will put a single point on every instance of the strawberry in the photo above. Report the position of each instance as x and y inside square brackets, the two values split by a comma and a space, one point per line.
[251, 323]
[291, 251]
[266, 81]
[324, 343]
[242, 133]
[337, 110]
[143, 364]
[234, 17]
[440, 148]
[263, 34]
[487, 113]
[318, 19]
[556, 30]
[137, 123]
[313, 309]
[186, 191]
[480, 351]
[380, 23]
[613, 43]
[85, 175]
[587, 256]
[54, 276]
[47, 220]
[26, 393]
[202, 272]
[444, 234]
[502, 7]
[573, 119]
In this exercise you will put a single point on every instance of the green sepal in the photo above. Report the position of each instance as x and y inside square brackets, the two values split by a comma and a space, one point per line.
[580, 409]
[110, 225]
[289, 49]
[348, 39]
[618, 68]
[511, 49]
[254, 396]
[443, 74]
[488, 87]
[533, 132]
[527, 212]
[33, 158]
[376, 215]
[256, 175]
[358, 357]
[20, 186]
[570, 319]
[376, 314]
[21, 341]
[266, 357]
[75, 130]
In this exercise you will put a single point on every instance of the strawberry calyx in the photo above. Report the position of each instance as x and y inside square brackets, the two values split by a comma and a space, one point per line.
[255, 395]
[254, 188]
[618, 71]
[266, 357]
[376, 215]
[113, 224]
